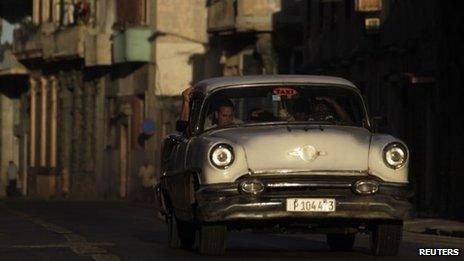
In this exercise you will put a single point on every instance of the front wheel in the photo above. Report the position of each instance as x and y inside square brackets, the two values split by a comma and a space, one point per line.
[173, 231]
[386, 238]
[181, 233]
[212, 239]
[340, 242]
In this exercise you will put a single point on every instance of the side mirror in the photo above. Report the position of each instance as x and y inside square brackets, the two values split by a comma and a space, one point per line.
[379, 122]
[181, 126]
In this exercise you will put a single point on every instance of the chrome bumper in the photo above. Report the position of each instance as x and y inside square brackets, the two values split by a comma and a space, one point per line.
[226, 202]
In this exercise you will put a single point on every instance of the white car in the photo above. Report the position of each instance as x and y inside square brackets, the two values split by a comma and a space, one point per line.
[283, 152]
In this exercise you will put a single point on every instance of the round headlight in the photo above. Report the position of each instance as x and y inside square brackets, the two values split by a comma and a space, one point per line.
[395, 155]
[222, 156]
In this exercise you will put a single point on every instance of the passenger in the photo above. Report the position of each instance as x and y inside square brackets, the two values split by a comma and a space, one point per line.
[301, 109]
[327, 109]
[261, 115]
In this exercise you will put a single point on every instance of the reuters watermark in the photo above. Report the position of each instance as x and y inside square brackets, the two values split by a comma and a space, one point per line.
[439, 251]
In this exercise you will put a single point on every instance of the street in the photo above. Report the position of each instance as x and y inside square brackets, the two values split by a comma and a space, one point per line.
[61, 230]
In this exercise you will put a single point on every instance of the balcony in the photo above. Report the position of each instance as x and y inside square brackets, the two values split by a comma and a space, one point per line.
[49, 43]
[66, 43]
[132, 45]
[242, 15]
[27, 43]
[97, 50]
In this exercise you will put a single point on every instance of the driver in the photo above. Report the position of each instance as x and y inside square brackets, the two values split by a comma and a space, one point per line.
[223, 115]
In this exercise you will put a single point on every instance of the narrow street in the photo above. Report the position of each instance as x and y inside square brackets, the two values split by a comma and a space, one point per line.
[59, 230]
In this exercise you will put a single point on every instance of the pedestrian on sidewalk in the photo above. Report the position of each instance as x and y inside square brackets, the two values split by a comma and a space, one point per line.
[147, 176]
[12, 179]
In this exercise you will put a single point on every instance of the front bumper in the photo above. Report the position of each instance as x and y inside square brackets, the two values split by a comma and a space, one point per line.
[226, 202]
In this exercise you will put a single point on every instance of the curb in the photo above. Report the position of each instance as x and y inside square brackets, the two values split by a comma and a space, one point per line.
[436, 227]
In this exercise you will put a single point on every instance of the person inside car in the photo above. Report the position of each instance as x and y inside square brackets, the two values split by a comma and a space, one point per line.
[261, 115]
[301, 108]
[327, 109]
[223, 114]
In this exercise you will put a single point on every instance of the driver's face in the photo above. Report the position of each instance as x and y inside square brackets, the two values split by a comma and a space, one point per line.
[225, 115]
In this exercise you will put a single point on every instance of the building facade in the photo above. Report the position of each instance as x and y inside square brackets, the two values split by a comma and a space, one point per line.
[253, 37]
[100, 72]
[13, 81]
[406, 58]
[13, 78]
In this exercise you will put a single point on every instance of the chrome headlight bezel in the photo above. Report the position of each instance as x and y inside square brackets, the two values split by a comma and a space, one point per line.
[400, 150]
[227, 151]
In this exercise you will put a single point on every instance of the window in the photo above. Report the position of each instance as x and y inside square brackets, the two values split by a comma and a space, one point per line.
[64, 12]
[133, 12]
[348, 9]
[283, 105]
[195, 108]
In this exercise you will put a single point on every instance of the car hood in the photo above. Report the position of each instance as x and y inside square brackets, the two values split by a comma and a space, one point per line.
[312, 148]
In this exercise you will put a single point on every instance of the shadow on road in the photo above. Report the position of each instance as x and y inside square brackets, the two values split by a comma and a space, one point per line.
[245, 245]
[153, 237]
[288, 247]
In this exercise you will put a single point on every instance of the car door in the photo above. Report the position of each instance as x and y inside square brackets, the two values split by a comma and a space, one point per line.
[180, 179]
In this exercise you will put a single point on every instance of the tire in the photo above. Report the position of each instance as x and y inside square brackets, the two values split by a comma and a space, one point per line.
[187, 232]
[212, 240]
[341, 242]
[173, 231]
[386, 239]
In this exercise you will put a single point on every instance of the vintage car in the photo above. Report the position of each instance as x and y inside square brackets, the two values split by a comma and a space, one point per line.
[295, 154]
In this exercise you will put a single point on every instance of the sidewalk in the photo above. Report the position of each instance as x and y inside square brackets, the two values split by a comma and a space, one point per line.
[441, 227]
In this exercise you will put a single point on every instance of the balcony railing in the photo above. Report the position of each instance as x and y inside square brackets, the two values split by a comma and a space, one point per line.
[48, 43]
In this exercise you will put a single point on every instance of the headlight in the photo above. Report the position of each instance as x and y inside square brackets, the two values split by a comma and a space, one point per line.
[395, 155]
[222, 156]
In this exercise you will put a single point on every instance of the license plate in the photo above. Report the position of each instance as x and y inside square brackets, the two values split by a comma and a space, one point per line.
[311, 204]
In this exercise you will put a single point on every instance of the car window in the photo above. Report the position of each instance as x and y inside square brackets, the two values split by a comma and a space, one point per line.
[195, 107]
[298, 104]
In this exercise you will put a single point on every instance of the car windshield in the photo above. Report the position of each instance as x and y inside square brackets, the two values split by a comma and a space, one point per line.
[283, 105]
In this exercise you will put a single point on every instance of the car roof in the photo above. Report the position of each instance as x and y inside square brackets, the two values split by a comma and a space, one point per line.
[211, 84]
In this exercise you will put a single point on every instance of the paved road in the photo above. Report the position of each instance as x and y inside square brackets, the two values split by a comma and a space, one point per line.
[61, 230]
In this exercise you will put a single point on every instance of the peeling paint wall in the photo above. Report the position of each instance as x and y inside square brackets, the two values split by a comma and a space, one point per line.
[180, 48]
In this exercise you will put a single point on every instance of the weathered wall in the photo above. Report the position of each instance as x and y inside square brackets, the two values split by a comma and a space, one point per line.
[178, 64]
[181, 46]
[8, 143]
[106, 15]
[256, 15]
[184, 18]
